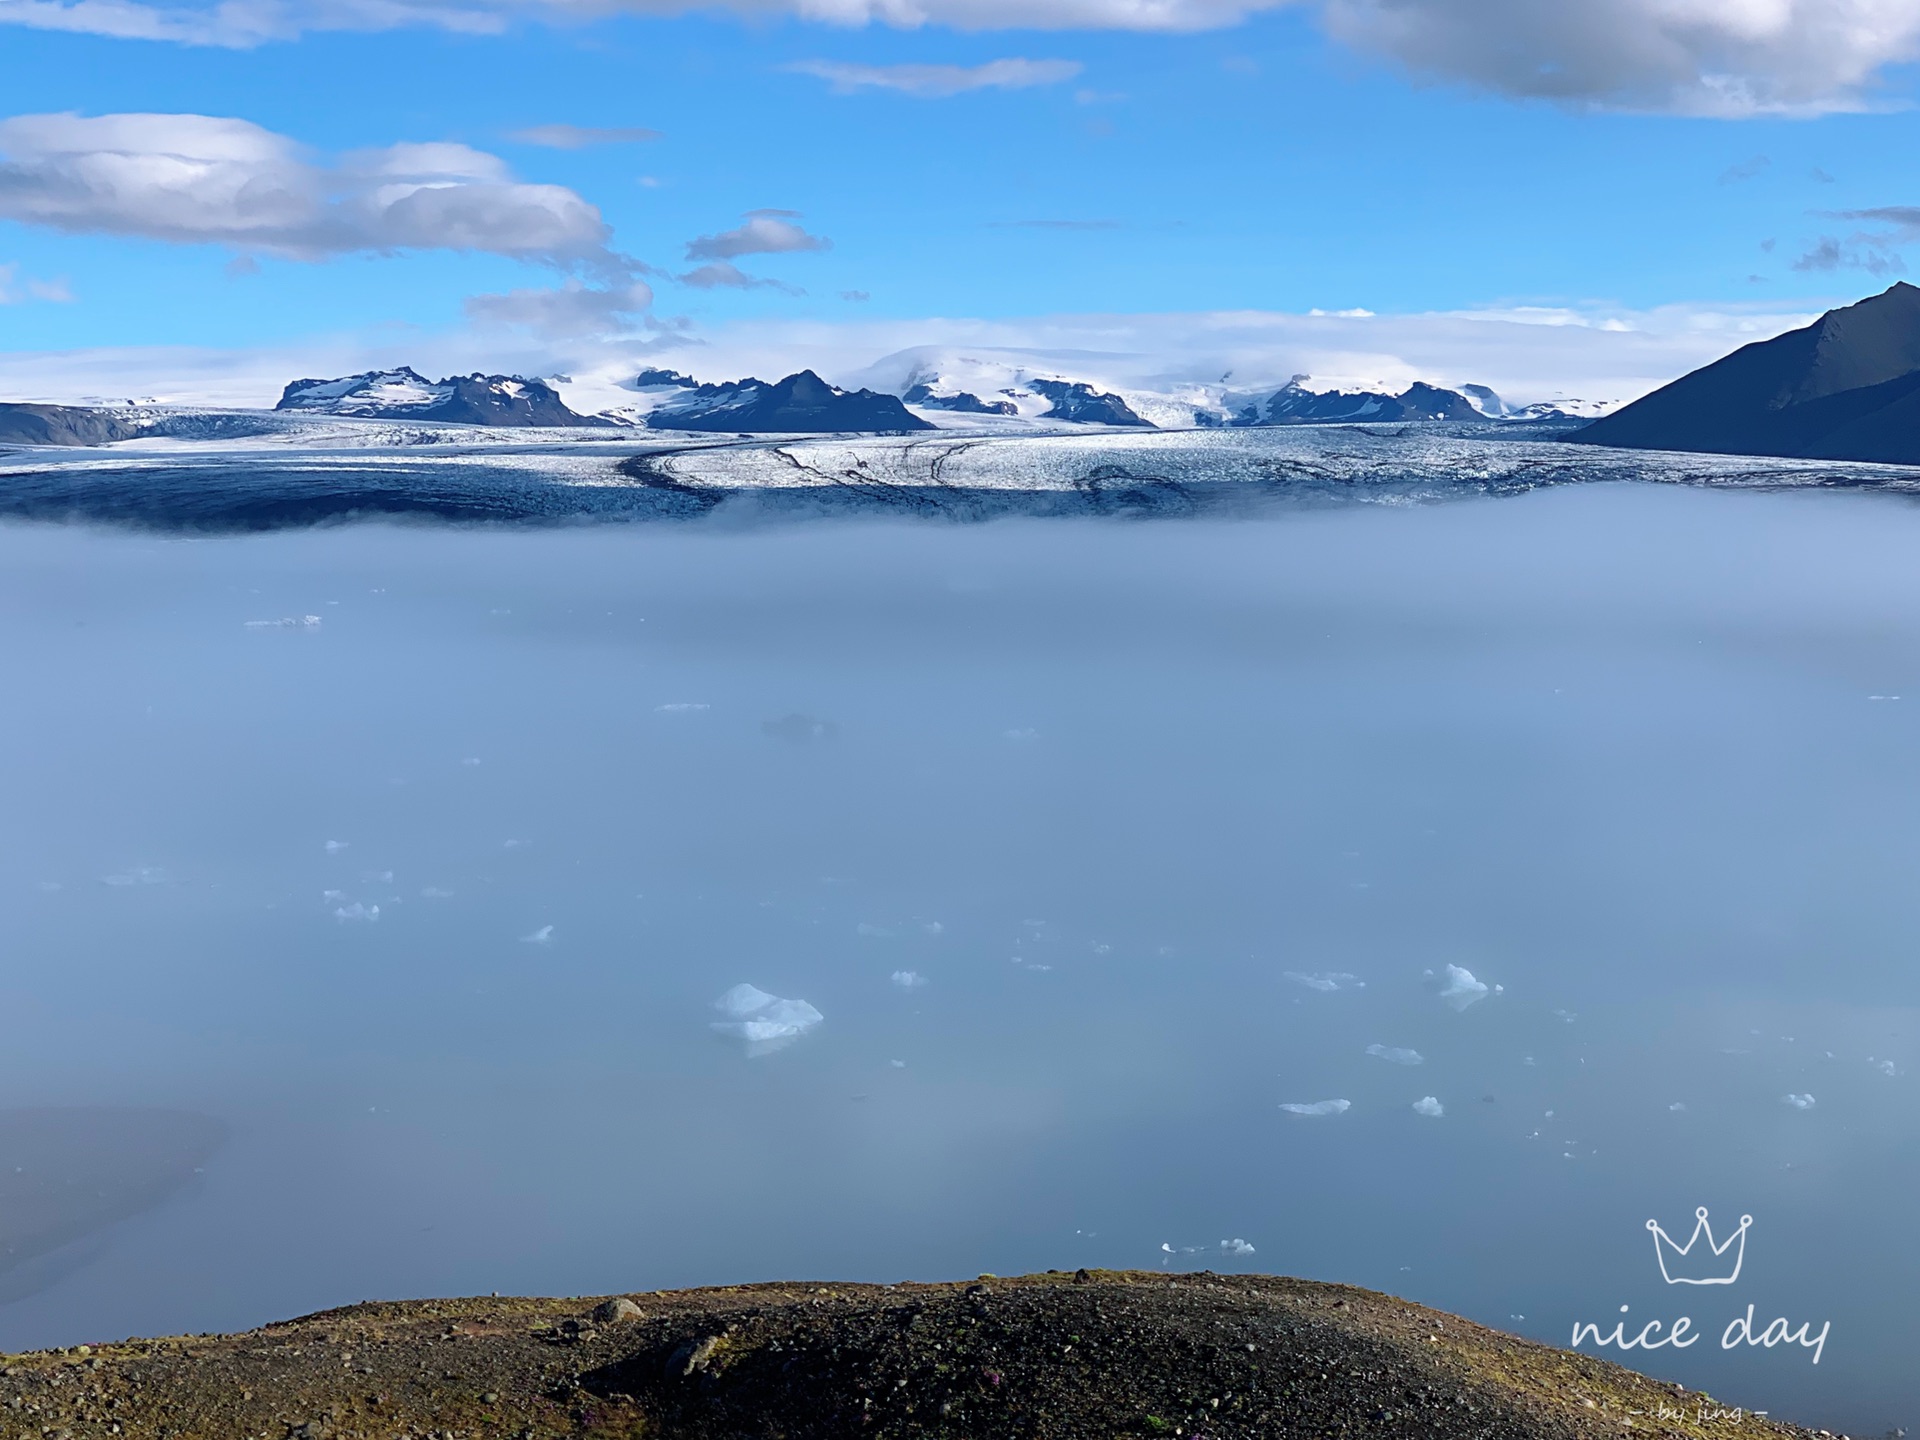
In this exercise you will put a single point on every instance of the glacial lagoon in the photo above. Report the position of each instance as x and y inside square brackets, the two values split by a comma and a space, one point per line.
[1424, 896]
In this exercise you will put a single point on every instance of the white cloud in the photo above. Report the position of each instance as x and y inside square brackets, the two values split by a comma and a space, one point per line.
[767, 232]
[934, 82]
[579, 137]
[203, 179]
[1727, 58]
[725, 275]
[569, 311]
[15, 287]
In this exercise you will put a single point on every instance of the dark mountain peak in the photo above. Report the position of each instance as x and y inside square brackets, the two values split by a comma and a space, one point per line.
[1846, 387]
[651, 378]
[1078, 401]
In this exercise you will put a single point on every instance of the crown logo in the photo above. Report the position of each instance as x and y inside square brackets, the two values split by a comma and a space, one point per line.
[1681, 1265]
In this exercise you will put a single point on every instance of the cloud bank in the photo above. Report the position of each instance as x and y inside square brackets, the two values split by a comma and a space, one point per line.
[937, 82]
[212, 180]
[1722, 58]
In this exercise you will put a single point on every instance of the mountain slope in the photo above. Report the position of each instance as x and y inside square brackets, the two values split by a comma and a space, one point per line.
[802, 403]
[404, 394]
[63, 425]
[1839, 389]
[1092, 1356]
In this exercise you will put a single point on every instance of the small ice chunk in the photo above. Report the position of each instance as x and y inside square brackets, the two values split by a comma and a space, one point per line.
[138, 875]
[286, 622]
[1396, 1054]
[1886, 1067]
[879, 932]
[334, 847]
[1317, 1107]
[1235, 1247]
[434, 892]
[1427, 1105]
[680, 707]
[377, 877]
[357, 911]
[542, 936]
[1327, 981]
[1567, 1015]
[934, 927]
[1461, 989]
[471, 760]
[1798, 1102]
[898, 1064]
[766, 1022]
[909, 979]
[1677, 1106]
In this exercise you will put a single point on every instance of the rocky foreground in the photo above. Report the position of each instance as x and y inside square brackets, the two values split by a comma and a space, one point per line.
[1092, 1354]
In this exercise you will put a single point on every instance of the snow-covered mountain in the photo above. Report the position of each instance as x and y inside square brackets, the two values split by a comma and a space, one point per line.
[802, 403]
[1126, 390]
[404, 394]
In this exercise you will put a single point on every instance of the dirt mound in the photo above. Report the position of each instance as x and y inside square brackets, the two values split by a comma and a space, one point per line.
[1056, 1357]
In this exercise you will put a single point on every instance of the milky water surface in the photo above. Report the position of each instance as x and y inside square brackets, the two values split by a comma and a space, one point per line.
[1093, 845]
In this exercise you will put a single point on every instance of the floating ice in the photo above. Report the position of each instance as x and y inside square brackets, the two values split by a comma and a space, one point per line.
[374, 877]
[1567, 1015]
[933, 927]
[909, 979]
[1235, 1247]
[1885, 1067]
[334, 847]
[286, 622]
[765, 1022]
[1317, 1107]
[878, 932]
[1021, 735]
[1327, 981]
[434, 892]
[1461, 989]
[138, 875]
[541, 936]
[898, 1064]
[357, 911]
[1427, 1105]
[1397, 1054]
[1798, 1102]
[680, 707]
[1678, 1105]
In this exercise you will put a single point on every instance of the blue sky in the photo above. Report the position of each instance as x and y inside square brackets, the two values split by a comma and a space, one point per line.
[1178, 158]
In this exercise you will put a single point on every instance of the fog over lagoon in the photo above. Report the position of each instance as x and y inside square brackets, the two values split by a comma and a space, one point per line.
[1166, 827]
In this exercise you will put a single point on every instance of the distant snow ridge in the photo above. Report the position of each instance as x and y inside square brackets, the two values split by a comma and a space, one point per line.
[766, 1022]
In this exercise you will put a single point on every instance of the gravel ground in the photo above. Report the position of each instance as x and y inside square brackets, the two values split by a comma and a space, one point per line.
[1105, 1354]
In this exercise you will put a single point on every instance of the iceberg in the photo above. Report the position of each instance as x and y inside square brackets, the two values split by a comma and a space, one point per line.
[766, 1022]
[1461, 989]
[1396, 1054]
[1317, 1107]
[1428, 1106]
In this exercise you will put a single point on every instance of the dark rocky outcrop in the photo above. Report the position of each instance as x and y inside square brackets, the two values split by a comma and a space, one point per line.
[1293, 404]
[801, 404]
[962, 401]
[404, 394]
[64, 425]
[1846, 387]
[1079, 402]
